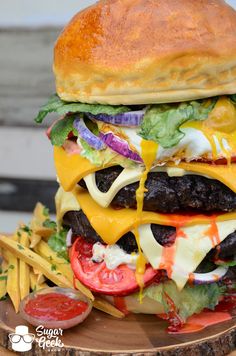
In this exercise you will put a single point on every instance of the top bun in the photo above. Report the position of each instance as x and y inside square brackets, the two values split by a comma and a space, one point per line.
[147, 51]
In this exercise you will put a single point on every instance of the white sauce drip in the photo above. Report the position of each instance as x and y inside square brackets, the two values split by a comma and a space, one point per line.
[113, 256]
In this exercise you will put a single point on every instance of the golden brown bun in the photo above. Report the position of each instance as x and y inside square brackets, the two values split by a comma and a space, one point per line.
[147, 51]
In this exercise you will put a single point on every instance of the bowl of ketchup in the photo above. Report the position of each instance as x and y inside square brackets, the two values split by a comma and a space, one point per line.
[55, 307]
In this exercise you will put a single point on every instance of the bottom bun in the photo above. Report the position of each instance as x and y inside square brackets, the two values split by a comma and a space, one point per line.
[132, 304]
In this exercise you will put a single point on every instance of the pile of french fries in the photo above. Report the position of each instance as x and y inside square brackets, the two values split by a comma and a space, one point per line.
[27, 263]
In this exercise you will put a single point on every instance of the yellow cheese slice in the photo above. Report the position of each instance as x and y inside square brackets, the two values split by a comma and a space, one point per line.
[111, 224]
[72, 168]
[226, 174]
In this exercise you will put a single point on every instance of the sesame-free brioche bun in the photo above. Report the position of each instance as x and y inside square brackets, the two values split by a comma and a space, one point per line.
[147, 51]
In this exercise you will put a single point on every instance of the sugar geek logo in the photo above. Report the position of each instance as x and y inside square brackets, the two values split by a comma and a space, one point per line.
[21, 340]
[47, 339]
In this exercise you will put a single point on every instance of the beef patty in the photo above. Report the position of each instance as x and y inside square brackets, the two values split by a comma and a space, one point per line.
[170, 194]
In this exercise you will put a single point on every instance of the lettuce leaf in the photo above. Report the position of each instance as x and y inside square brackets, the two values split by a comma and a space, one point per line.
[162, 123]
[61, 130]
[189, 301]
[57, 242]
[100, 158]
[55, 104]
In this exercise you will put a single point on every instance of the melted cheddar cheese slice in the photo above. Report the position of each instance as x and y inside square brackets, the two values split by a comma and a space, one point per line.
[72, 168]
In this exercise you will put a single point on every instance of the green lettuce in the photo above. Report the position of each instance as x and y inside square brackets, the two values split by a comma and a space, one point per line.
[61, 129]
[191, 300]
[100, 158]
[57, 242]
[162, 123]
[55, 104]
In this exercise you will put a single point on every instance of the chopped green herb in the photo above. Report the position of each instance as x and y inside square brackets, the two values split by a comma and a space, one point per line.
[18, 234]
[53, 267]
[11, 267]
[50, 224]
[3, 278]
[20, 247]
[27, 229]
[45, 211]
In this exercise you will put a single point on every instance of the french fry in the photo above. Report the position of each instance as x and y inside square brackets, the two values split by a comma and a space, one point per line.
[40, 277]
[34, 285]
[24, 275]
[34, 239]
[3, 279]
[34, 260]
[62, 266]
[105, 306]
[37, 221]
[12, 286]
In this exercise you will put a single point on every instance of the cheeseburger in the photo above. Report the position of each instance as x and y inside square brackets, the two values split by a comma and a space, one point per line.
[145, 152]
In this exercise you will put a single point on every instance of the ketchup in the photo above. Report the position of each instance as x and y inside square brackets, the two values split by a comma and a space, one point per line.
[54, 306]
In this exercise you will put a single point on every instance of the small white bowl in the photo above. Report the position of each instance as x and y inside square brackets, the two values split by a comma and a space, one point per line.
[63, 324]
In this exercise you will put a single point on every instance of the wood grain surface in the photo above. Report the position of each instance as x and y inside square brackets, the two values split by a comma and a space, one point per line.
[136, 335]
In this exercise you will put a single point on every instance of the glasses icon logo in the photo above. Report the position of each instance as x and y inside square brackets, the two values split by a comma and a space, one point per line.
[21, 339]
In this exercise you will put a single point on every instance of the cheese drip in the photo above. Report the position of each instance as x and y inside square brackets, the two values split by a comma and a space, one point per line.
[148, 154]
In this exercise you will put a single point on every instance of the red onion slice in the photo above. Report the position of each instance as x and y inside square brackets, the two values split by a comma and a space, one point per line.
[129, 119]
[120, 146]
[69, 238]
[210, 277]
[91, 139]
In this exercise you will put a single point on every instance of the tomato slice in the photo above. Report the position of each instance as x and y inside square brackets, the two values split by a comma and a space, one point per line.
[98, 278]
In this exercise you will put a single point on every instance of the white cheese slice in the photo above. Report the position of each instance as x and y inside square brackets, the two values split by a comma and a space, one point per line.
[183, 257]
[126, 177]
[65, 201]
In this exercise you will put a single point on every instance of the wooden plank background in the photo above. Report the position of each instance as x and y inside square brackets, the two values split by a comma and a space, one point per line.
[26, 76]
[26, 81]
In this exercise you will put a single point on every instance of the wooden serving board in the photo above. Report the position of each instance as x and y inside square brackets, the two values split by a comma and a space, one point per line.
[136, 335]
